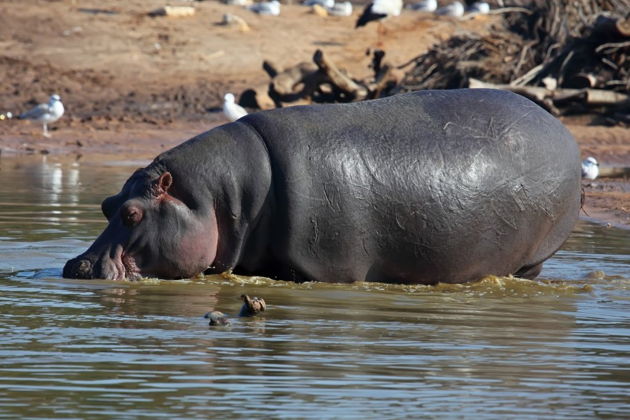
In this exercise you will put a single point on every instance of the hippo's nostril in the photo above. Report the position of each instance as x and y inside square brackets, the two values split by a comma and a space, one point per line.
[78, 269]
[84, 266]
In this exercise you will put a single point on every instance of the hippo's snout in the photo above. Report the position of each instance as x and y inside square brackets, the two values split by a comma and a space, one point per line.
[91, 265]
[78, 268]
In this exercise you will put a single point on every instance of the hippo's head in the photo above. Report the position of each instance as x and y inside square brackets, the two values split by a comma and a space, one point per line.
[150, 233]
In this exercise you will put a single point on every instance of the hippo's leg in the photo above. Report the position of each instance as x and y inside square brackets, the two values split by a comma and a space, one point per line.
[530, 271]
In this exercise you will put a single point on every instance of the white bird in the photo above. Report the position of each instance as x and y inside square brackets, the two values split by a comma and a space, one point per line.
[590, 168]
[231, 109]
[45, 113]
[379, 9]
[479, 7]
[424, 6]
[238, 2]
[455, 9]
[324, 3]
[341, 9]
[269, 8]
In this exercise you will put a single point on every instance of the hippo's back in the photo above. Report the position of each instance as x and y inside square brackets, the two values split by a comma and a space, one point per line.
[421, 187]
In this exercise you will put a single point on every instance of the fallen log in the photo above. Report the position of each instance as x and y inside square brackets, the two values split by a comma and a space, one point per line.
[257, 98]
[594, 97]
[614, 172]
[173, 11]
[353, 90]
[299, 80]
[270, 68]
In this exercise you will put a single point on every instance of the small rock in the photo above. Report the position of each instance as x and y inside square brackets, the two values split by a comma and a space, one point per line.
[217, 319]
[319, 10]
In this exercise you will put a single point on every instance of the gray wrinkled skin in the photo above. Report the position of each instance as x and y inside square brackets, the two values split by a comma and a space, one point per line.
[427, 187]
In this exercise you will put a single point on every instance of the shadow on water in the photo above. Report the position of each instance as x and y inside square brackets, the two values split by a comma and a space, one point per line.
[96, 349]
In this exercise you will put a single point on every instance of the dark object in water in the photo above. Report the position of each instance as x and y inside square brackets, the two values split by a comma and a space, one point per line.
[252, 306]
[217, 318]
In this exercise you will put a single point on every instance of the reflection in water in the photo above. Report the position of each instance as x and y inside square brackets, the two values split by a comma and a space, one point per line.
[55, 198]
[94, 349]
[57, 180]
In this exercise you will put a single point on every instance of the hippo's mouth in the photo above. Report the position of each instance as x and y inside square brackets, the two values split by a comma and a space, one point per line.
[120, 266]
[130, 270]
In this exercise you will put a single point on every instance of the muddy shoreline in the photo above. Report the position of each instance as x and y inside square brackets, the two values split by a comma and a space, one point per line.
[607, 200]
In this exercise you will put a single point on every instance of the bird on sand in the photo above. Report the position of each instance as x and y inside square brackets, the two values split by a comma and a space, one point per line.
[341, 9]
[424, 6]
[45, 113]
[479, 8]
[238, 2]
[455, 9]
[324, 3]
[379, 9]
[269, 8]
[590, 168]
[231, 109]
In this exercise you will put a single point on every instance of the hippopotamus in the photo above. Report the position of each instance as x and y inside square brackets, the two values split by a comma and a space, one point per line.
[417, 188]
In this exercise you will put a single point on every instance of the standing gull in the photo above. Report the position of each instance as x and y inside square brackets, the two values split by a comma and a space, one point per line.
[269, 8]
[590, 168]
[231, 109]
[455, 9]
[324, 3]
[479, 8]
[424, 6]
[45, 113]
[341, 9]
[379, 9]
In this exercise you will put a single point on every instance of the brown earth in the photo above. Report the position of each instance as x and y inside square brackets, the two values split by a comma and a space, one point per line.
[137, 85]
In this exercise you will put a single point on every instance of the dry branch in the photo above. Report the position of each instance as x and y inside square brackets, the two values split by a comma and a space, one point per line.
[340, 80]
[567, 56]
[297, 82]
[594, 97]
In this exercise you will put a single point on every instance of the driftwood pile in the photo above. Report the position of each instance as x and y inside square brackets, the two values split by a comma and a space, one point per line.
[568, 56]
[320, 81]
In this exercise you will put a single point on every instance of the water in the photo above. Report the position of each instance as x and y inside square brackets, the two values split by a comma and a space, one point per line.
[558, 347]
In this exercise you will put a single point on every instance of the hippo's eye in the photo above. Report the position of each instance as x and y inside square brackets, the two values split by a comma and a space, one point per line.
[131, 216]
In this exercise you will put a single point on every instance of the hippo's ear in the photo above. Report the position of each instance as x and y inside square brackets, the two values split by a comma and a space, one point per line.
[108, 207]
[164, 183]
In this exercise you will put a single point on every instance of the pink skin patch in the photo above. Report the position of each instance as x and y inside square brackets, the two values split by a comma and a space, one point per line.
[181, 253]
[132, 272]
[199, 249]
